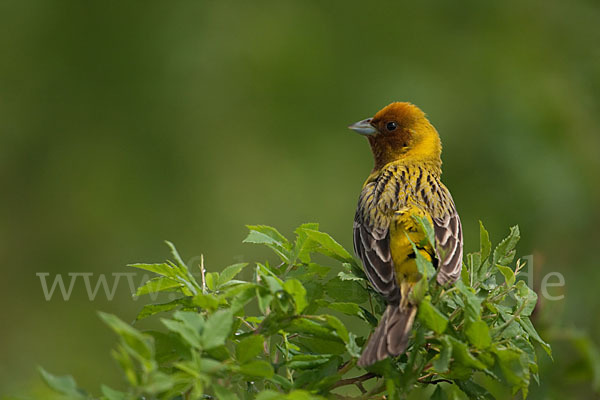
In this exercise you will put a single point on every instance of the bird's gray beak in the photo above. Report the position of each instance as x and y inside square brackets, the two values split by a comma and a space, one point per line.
[363, 127]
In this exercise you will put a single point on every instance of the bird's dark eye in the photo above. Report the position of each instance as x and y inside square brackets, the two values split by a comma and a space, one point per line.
[390, 126]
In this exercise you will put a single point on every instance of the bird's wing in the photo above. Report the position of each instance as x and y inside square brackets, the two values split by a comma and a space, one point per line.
[449, 244]
[372, 242]
[372, 246]
[437, 199]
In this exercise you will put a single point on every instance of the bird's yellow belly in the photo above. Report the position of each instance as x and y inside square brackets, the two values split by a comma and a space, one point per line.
[403, 230]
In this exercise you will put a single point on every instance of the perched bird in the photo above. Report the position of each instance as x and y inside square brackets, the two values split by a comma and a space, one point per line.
[405, 182]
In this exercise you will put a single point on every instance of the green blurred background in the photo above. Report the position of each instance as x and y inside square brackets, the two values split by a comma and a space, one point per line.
[126, 123]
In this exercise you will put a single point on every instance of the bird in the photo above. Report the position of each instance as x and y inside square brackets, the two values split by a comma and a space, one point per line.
[404, 184]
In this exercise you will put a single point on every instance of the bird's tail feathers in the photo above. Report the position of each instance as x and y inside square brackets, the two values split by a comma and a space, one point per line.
[391, 336]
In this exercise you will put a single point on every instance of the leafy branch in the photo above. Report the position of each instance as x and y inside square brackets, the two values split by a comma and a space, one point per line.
[294, 329]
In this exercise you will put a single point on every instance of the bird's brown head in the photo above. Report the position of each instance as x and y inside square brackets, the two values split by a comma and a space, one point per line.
[400, 131]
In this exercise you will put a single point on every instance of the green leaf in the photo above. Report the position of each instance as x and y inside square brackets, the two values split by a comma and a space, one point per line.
[175, 254]
[474, 391]
[141, 344]
[111, 394]
[262, 234]
[298, 292]
[329, 246]
[508, 273]
[223, 393]
[207, 301]
[462, 355]
[514, 366]
[152, 309]
[528, 296]
[427, 228]
[346, 308]
[249, 347]
[419, 290]
[211, 279]
[478, 334]
[158, 284]
[62, 384]
[304, 246]
[310, 327]
[528, 327]
[346, 276]
[352, 347]
[160, 269]
[441, 361]
[432, 317]
[308, 361]
[439, 394]
[338, 327]
[504, 253]
[190, 334]
[258, 369]
[424, 266]
[270, 395]
[485, 246]
[346, 291]
[472, 302]
[217, 329]
[229, 273]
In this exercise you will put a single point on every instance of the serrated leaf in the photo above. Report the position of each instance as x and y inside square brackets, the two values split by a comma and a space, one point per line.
[424, 266]
[270, 395]
[261, 234]
[528, 296]
[112, 394]
[438, 394]
[329, 246]
[175, 254]
[305, 246]
[249, 347]
[514, 366]
[346, 308]
[508, 273]
[345, 276]
[187, 332]
[478, 334]
[533, 334]
[352, 347]
[207, 301]
[161, 269]
[152, 309]
[229, 273]
[62, 384]
[223, 393]
[504, 253]
[217, 329]
[419, 290]
[472, 307]
[462, 355]
[141, 344]
[485, 246]
[308, 361]
[258, 369]
[346, 291]
[427, 228]
[441, 361]
[338, 327]
[432, 317]
[298, 292]
[158, 284]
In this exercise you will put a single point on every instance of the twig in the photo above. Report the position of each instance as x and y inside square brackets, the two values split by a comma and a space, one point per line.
[202, 273]
[353, 381]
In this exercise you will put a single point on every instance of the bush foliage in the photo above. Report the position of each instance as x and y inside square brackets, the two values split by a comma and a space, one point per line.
[296, 328]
